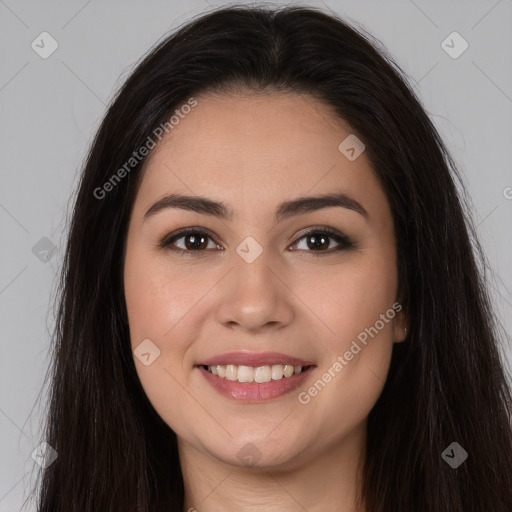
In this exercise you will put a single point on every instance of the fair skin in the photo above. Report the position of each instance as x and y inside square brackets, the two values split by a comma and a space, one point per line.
[253, 152]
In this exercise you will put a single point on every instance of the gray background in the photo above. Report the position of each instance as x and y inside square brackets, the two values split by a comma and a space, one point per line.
[50, 109]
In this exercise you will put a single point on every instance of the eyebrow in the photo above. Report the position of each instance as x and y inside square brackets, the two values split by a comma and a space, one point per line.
[284, 211]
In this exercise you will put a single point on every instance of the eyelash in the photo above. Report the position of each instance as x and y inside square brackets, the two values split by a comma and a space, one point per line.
[344, 241]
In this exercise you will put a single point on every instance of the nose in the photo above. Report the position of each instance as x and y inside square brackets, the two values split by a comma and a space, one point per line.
[255, 297]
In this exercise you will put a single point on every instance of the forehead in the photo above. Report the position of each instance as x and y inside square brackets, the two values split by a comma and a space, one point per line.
[256, 146]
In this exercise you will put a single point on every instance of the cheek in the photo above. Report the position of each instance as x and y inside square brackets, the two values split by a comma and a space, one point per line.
[357, 331]
[156, 297]
[159, 309]
[353, 373]
[351, 299]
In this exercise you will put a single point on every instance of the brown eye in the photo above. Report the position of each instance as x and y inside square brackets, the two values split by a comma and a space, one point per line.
[195, 242]
[319, 241]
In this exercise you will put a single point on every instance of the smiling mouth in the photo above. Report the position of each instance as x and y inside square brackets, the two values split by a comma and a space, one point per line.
[259, 374]
[246, 384]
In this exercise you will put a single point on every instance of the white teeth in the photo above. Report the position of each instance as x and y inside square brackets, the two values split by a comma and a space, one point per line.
[288, 370]
[263, 374]
[277, 371]
[260, 374]
[231, 372]
[245, 374]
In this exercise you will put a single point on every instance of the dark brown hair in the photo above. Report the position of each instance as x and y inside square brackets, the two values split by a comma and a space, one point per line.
[446, 381]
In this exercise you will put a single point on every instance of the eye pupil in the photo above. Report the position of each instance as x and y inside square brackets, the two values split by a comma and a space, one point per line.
[196, 241]
[321, 240]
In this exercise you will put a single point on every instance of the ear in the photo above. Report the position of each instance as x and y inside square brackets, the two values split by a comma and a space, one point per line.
[401, 327]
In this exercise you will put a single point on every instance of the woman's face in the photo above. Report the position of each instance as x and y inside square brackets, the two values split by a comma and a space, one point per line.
[265, 277]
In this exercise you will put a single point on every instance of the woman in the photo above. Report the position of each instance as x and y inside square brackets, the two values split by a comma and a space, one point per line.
[269, 297]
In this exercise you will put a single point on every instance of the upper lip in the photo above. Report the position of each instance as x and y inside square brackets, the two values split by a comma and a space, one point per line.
[254, 359]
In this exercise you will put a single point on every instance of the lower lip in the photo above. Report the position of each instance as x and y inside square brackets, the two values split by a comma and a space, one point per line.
[253, 391]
